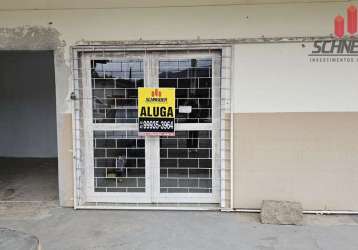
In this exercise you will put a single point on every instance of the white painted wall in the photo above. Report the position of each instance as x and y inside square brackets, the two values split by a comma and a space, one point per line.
[280, 78]
[266, 75]
[27, 105]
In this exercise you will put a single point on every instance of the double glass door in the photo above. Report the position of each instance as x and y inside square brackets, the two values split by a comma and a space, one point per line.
[123, 167]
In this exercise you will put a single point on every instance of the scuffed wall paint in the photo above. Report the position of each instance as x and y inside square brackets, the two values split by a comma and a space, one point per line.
[111, 4]
[47, 38]
[224, 22]
[43, 38]
[30, 38]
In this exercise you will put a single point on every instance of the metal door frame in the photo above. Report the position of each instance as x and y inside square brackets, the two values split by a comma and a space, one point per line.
[214, 126]
[90, 127]
[223, 162]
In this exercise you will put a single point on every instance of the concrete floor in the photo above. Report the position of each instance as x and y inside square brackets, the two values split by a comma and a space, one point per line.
[66, 229]
[28, 179]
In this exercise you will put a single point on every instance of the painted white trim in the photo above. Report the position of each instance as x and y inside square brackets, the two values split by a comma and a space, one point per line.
[232, 133]
[141, 208]
[320, 212]
[90, 127]
[192, 197]
[75, 120]
[201, 198]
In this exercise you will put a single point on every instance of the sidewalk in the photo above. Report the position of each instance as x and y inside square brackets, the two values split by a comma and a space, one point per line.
[66, 229]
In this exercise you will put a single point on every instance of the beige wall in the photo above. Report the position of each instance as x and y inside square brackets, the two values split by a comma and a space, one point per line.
[307, 157]
[210, 22]
[68, 4]
[62, 24]
[67, 189]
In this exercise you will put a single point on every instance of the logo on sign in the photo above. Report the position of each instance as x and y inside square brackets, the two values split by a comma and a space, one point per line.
[156, 111]
[156, 93]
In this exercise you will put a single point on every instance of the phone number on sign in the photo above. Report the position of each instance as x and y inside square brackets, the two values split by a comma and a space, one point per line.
[154, 125]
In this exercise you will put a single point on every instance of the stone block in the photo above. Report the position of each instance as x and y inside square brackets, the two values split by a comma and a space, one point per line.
[281, 213]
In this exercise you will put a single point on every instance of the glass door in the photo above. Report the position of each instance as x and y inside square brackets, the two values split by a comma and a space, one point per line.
[188, 162]
[126, 168]
[117, 158]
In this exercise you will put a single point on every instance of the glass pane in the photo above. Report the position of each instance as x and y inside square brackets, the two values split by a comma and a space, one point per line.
[119, 161]
[114, 88]
[193, 80]
[186, 162]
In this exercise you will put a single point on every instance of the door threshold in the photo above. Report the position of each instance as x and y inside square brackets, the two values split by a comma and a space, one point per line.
[151, 206]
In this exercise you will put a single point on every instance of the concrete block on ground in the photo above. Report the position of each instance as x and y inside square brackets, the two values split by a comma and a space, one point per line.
[281, 213]
[14, 240]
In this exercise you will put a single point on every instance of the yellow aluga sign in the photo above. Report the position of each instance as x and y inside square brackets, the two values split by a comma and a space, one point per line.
[156, 111]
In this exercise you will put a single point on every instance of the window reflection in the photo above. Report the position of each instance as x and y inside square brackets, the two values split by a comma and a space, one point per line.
[114, 88]
[193, 80]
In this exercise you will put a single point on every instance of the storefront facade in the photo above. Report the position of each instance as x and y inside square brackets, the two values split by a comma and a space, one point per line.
[139, 170]
[256, 119]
